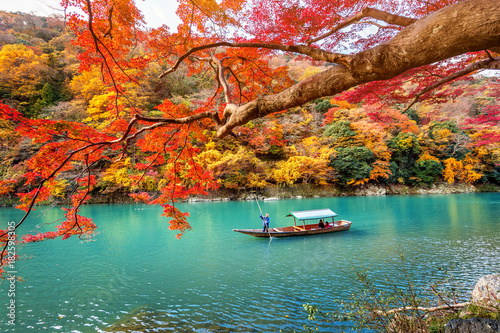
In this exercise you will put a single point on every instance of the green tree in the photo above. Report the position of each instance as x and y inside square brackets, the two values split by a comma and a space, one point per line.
[341, 133]
[427, 171]
[405, 152]
[352, 164]
[48, 94]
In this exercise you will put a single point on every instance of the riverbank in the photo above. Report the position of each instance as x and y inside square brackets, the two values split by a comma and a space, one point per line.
[320, 191]
[274, 192]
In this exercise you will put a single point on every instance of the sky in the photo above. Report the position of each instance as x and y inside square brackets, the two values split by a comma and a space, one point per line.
[156, 12]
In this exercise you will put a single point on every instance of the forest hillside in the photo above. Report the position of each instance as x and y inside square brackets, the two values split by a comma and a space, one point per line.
[334, 144]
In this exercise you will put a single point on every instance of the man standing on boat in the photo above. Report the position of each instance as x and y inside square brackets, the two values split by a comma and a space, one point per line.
[265, 222]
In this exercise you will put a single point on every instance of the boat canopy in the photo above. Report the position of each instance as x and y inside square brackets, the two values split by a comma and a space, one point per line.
[314, 214]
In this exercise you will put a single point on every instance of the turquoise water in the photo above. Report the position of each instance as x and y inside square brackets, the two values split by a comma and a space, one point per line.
[216, 280]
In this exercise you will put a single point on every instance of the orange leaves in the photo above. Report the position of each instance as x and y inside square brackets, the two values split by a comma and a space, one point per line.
[381, 169]
[7, 186]
[141, 197]
[178, 221]
[27, 199]
[108, 31]
[75, 225]
[393, 120]
[171, 110]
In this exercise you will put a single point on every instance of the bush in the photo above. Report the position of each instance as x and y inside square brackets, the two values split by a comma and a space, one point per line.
[323, 105]
[339, 129]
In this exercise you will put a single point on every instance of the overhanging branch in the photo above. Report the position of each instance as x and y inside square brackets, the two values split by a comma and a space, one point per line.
[314, 53]
[490, 63]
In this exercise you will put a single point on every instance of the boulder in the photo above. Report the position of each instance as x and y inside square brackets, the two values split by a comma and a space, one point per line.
[473, 325]
[487, 291]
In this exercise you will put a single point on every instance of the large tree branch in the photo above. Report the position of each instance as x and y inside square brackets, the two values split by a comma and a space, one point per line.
[314, 53]
[466, 26]
[367, 12]
[181, 121]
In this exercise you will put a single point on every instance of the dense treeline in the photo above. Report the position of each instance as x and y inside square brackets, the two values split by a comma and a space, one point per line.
[452, 136]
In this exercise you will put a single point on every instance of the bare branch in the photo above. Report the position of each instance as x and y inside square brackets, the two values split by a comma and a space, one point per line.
[380, 26]
[419, 308]
[389, 18]
[490, 63]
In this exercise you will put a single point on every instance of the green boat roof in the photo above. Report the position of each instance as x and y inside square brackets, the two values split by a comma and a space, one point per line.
[314, 214]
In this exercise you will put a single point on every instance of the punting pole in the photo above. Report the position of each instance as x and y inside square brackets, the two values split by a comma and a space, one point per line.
[255, 197]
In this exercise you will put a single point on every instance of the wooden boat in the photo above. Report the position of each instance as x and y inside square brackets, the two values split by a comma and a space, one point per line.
[303, 229]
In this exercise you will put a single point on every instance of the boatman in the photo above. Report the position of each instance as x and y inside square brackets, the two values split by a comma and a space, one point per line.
[265, 222]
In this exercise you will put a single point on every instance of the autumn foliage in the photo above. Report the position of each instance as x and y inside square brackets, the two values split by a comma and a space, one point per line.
[242, 95]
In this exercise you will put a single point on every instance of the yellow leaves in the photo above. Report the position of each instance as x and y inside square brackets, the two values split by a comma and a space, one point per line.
[426, 157]
[406, 142]
[442, 135]
[15, 55]
[234, 169]
[471, 163]
[210, 145]
[452, 170]
[21, 70]
[286, 172]
[87, 85]
[209, 157]
[118, 173]
[98, 107]
[309, 162]
[58, 187]
[325, 152]
[256, 181]
[310, 145]
[6, 130]
[461, 171]
[302, 167]
[310, 71]
[313, 147]
[307, 117]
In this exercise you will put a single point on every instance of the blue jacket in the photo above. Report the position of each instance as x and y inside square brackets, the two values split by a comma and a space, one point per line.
[265, 220]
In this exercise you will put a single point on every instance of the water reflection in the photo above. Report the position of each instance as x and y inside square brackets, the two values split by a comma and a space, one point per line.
[136, 276]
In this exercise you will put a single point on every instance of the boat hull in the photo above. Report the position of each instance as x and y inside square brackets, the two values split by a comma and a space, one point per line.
[310, 229]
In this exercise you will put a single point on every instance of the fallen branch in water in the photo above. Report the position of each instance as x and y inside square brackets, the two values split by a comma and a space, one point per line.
[419, 308]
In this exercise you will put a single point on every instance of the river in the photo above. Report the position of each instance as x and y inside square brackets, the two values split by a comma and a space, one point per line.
[135, 273]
